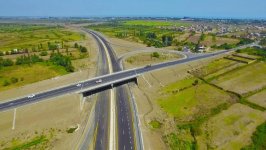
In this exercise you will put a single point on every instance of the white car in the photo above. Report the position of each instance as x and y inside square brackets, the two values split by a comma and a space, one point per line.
[99, 81]
[78, 85]
[148, 66]
[31, 96]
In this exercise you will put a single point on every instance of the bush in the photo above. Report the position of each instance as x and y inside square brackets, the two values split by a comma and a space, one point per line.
[258, 139]
[28, 59]
[6, 62]
[60, 60]
[83, 49]
[155, 124]
[155, 54]
[44, 53]
[14, 80]
[6, 83]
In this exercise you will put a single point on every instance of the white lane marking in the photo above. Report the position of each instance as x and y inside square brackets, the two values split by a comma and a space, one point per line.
[146, 81]
[123, 132]
[14, 119]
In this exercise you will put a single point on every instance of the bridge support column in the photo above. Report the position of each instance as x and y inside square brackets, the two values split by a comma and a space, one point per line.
[82, 101]
[136, 81]
[14, 119]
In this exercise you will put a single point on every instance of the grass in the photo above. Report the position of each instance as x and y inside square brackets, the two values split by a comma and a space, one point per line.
[155, 23]
[146, 58]
[179, 85]
[28, 145]
[191, 101]
[253, 51]
[29, 74]
[176, 143]
[214, 66]
[258, 139]
[71, 130]
[243, 78]
[155, 124]
[230, 128]
[17, 36]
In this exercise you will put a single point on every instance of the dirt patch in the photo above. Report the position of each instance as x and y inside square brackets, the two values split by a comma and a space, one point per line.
[231, 129]
[50, 118]
[147, 58]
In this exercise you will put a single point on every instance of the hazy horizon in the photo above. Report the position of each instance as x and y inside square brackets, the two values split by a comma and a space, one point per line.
[226, 9]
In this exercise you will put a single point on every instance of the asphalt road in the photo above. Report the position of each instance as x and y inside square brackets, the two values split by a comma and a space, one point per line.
[92, 82]
[124, 123]
[101, 107]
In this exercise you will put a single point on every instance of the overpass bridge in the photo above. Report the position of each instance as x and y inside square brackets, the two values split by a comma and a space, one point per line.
[91, 86]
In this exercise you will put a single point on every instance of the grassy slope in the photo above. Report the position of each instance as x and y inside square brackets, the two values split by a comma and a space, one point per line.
[30, 74]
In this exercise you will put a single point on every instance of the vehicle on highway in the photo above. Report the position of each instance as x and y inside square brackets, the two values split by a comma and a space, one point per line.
[148, 66]
[99, 81]
[31, 96]
[78, 85]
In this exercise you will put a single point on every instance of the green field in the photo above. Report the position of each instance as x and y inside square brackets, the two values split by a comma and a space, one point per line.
[17, 36]
[190, 101]
[147, 32]
[213, 67]
[155, 23]
[23, 75]
[245, 79]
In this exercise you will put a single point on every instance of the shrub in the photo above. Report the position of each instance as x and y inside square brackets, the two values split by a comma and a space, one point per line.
[6, 83]
[44, 53]
[155, 54]
[7, 62]
[14, 80]
[83, 49]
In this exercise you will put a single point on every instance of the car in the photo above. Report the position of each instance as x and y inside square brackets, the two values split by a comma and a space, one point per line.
[78, 85]
[99, 81]
[148, 66]
[31, 96]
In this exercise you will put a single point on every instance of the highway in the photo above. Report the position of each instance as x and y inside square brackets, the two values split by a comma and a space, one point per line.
[126, 137]
[92, 82]
[124, 114]
[100, 127]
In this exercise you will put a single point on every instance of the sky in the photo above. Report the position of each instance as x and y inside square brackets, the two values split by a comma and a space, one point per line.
[136, 8]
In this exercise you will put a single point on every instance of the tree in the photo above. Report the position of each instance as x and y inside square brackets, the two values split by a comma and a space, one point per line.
[60, 60]
[76, 45]
[7, 62]
[151, 35]
[155, 54]
[83, 49]
[167, 40]
[44, 53]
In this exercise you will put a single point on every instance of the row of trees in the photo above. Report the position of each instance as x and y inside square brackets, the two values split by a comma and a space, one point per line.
[81, 48]
[55, 58]
[153, 40]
